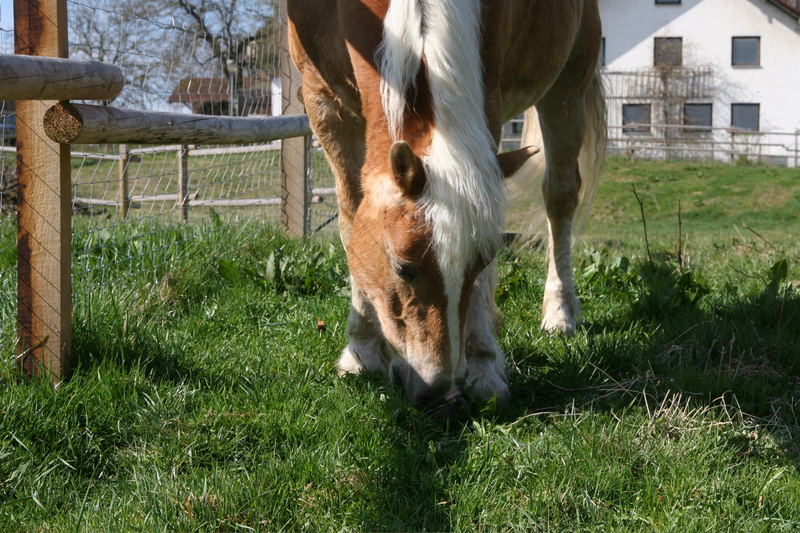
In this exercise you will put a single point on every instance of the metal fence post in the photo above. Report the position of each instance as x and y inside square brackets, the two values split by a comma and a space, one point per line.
[183, 182]
[295, 197]
[44, 239]
[124, 194]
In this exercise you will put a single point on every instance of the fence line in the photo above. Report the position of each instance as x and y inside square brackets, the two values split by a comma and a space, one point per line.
[672, 141]
[676, 141]
[124, 201]
[45, 199]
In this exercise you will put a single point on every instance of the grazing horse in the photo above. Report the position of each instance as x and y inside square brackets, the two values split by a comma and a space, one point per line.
[408, 98]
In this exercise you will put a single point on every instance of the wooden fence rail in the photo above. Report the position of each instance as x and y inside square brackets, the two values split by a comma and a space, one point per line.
[48, 78]
[89, 124]
[126, 156]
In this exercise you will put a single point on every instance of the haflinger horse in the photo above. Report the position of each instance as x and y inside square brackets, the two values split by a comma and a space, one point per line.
[408, 99]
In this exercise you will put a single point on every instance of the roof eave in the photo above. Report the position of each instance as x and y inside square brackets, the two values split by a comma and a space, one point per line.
[786, 9]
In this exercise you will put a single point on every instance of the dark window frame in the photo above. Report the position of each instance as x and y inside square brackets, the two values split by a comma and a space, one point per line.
[758, 116]
[668, 2]
[638, 127]
[656, 40]
[733, 51]
[699, 128]
[602, 60]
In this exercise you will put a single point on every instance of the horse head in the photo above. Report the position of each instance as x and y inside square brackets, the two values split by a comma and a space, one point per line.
[417, 292]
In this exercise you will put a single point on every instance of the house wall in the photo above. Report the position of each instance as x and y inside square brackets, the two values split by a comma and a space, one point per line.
[707, 28]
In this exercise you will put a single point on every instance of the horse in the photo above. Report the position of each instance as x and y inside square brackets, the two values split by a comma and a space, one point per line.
[408, 99]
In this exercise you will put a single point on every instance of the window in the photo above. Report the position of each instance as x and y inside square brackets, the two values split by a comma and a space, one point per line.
[745, 116]
[668, 1]
[698, 116]
[746, 51]
[602, 61]
[668, 52]
[636, 118]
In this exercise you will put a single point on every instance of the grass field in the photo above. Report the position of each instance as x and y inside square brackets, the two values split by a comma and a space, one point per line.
[205, 396]
[718, 201]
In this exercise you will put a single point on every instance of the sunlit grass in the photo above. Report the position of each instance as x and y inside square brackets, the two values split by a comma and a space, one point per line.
[204, 395]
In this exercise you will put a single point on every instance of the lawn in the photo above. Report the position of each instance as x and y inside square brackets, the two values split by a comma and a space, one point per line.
[205, 398]
[719, 201]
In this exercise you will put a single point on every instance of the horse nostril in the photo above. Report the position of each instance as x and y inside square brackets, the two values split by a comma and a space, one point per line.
[454, 407]
[437, 401]
[430, 396]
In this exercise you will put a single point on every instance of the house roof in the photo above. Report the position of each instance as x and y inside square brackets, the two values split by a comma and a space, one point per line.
[199, 90]
[191, 90]
[790, 6]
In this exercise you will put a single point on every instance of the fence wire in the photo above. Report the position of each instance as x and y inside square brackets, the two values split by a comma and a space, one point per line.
[184, 56]
[8, 249]
[220, 58]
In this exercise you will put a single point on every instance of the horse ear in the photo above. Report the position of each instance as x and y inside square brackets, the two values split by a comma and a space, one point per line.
[407, 169]
[511, 161]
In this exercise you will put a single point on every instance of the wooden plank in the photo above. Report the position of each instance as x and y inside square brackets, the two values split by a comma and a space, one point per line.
[44, 287]
[324, 191]
[294, 152]
[97, 157]
[228, 150]
[162, 197]
[133, 201]
[155, 149]
[74, 155]
[244, 202]
[78, 200]
[90, 124]
[47, 78]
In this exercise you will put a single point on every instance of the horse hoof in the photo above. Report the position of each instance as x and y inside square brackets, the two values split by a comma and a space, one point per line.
[349, 363]
[559, 321]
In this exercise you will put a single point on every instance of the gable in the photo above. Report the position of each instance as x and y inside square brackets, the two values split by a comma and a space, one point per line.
[790, 6]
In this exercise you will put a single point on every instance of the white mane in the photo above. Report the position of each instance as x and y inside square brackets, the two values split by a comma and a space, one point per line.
[464, 199]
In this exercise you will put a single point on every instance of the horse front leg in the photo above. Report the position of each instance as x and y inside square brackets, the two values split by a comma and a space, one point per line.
[486, 363]
[341, 134]
[366, 347]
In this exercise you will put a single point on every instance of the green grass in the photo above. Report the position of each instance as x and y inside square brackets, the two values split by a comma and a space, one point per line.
[205, 398]
[716, 200]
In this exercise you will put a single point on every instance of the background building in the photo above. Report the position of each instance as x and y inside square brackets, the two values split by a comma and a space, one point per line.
[703, 78]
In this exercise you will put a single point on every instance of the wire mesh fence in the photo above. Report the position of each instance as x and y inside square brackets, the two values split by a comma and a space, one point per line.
[8, 255]
[183, 56]
[203, 57]
[221, 58]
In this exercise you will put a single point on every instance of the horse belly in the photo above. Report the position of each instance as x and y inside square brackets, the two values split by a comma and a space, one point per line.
[537, 41]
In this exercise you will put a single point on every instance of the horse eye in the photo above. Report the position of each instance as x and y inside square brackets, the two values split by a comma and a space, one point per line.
[406, 271]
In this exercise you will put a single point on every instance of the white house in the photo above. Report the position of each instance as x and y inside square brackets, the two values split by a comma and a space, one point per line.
[703, 78]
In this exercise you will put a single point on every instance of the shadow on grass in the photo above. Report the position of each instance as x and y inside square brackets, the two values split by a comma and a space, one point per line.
[672, 338]
[97, 345]
[409, 491]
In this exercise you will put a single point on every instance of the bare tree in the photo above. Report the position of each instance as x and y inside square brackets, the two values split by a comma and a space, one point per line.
[159, 44]
[241, 38]
[121, 34]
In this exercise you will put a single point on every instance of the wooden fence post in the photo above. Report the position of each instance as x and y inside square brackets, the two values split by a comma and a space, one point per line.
[124, 193]
[44, 239]
[183, 182]
[294, 152]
